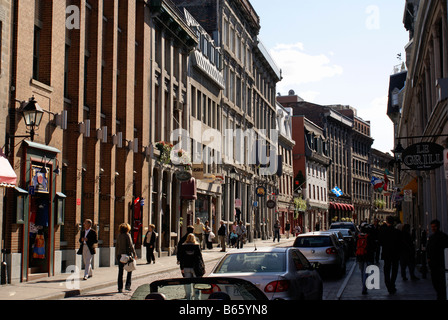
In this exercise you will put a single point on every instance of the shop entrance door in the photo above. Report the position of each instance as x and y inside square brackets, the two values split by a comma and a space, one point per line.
[38, 236]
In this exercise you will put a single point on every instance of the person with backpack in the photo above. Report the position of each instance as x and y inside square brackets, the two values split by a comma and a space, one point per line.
[365, 253]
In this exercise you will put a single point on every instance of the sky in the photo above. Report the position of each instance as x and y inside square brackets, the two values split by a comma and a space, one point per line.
[337, 52]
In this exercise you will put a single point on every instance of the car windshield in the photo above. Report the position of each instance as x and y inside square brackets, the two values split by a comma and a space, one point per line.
[253, 262]
[199, 291]
[345, 232]
[343, 226]
[313, 242]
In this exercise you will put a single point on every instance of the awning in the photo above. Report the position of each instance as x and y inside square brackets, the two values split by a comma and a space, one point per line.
[413, 185]
[8, 177]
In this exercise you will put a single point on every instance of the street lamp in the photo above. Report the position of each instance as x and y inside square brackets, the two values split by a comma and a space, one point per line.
[398, 152]
[32, 114]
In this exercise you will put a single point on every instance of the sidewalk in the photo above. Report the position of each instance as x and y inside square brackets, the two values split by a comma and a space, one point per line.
[419, 290]
[55, 288]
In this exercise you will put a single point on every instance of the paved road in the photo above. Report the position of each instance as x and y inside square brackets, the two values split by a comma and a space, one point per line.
[332, 286]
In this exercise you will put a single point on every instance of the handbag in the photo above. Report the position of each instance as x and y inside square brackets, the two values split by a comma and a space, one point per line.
[131, 265]
[124, 258]
[199, 268]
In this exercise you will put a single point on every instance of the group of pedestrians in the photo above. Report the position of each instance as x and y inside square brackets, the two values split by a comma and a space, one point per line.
[397, 247]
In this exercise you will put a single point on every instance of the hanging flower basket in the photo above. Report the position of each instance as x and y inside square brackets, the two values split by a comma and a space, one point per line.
[165, 152]
[182, 159]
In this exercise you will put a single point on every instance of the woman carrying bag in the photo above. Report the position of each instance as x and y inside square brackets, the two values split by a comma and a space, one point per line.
[190, 258]
[124, 247]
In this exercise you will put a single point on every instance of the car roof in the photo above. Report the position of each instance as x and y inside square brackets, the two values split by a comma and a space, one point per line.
[316, 233]
[260, 249]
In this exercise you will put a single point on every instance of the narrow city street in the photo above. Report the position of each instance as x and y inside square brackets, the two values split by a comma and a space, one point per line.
[332, 285]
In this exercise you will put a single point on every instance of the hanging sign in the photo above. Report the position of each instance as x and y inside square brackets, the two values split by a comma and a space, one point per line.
[271, 204]
[424, 156]
[261, 191]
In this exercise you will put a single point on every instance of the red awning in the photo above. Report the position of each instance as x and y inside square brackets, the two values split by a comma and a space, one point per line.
[8, 177]
[352, 208]
[338, 206]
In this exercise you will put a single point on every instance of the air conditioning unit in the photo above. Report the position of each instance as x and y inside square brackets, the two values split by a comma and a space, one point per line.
[101, 134]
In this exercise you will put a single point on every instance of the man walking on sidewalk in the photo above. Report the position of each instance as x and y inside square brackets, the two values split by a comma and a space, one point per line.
[435, 249]
[391, 242]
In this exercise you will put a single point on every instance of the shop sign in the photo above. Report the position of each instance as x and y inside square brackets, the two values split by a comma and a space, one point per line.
[261, 191]
[198, 171]
[424, 156]
[238, 203]
[271, 204]
[407, 195]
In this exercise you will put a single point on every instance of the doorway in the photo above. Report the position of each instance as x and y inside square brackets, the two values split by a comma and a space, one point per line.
[38, 236]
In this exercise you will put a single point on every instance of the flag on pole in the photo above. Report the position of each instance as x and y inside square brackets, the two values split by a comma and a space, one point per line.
[377, 183]
[337, 191]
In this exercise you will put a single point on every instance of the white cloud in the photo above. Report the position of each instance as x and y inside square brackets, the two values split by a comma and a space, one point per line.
[300, 68]
[381, 126]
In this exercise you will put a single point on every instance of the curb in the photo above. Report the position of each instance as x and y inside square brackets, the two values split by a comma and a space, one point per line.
[347, 279]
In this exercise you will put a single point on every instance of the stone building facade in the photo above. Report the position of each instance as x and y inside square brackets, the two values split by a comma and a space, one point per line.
[422, 114]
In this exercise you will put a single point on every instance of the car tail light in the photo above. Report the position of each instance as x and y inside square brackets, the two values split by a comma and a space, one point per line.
[331, 250]
[277, 286]
[214, 289]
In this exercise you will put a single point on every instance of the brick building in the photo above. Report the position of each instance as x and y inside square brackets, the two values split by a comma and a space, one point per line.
[6, 10]
[116, 73]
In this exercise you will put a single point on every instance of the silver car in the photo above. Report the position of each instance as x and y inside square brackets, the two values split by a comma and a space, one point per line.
[323, 248]
[281, 273]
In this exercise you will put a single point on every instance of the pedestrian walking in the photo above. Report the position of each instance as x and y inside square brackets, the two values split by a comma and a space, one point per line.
[191, 263]
[124, 246]
[437, 243]
[190, 230]
[88, 239]
[222, 235]
[407, 258]
[365, 252]
[207, 230]
[233, 238]
[241, 232]
[277, 230]
[391, 243]
[190, 257]
[287, 229]
[375, 232]
[199, 230]
[150, 244]
[298, 230]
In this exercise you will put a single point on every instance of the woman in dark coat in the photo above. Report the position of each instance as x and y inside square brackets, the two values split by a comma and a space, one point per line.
[150, 244]
[190, 256]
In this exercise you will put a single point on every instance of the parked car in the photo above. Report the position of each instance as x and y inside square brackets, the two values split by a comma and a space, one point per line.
[281, 273]
[350, 239]
[226, 289]
[345, 225]
[323, 247]
[342, 241]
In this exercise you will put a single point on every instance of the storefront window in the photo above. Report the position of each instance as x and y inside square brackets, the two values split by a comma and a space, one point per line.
[202, 207]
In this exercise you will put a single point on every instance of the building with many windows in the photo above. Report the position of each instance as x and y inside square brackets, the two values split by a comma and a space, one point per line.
[248, 108]
[422, 114]
[383, 198]
[285, 194]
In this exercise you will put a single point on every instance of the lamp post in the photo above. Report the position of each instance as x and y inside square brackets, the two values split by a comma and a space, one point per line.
[398, 152]
[32, 114]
